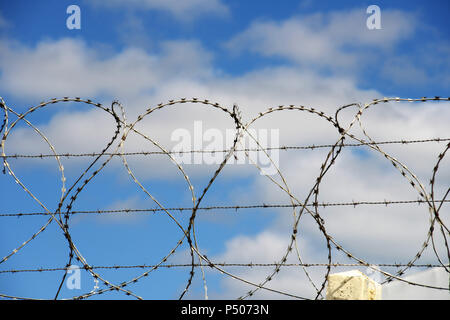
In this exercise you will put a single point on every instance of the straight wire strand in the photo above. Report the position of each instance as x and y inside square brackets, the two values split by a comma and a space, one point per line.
[235, 207]
[224, 264]
[283, 148]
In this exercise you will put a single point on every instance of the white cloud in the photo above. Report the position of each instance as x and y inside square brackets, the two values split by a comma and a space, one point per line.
[266, 247]
[335, 39]
[66, 66]
[69, 67]
[437, 277]
[182, 10]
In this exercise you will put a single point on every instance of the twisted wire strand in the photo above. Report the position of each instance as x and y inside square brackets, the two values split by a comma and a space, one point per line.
[226, 264]
[284, 148]
[230, 207]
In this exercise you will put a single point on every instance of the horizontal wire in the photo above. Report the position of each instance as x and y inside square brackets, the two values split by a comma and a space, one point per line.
[224, 264]
[309, 147]
[236, 207]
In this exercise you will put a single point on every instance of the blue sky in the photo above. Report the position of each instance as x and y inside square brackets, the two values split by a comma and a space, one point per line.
[257, 55]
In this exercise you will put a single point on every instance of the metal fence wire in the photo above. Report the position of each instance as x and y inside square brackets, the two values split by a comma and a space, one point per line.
[199, 262]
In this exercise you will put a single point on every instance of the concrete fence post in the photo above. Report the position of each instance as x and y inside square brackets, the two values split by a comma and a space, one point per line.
[352, 285]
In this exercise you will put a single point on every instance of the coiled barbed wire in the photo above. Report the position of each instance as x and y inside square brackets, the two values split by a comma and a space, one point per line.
[310, 205]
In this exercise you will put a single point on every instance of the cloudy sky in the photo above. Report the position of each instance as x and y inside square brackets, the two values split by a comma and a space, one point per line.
[257, 56]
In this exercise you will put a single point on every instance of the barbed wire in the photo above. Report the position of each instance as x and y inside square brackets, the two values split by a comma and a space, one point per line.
[146, 153]
[309, 206]
[227, 264]
[234, 207]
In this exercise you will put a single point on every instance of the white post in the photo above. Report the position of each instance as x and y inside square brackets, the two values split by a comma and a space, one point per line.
[352, 285]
